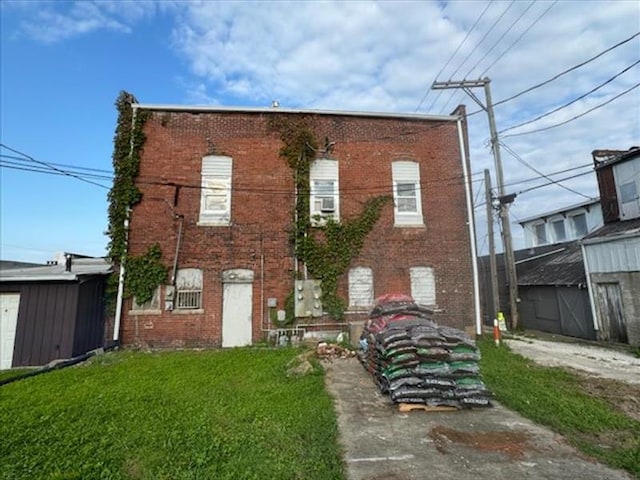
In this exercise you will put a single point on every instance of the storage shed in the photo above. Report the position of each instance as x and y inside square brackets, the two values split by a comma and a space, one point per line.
[51, 312]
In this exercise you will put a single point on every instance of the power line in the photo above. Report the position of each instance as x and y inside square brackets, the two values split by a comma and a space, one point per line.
[77, 177]
[36, 169]
[444, 107]
[74, 167]
[564, 72]
[448, 181]
[584, 95]
[482, 39]
[451, 58]
[558, 172]
[497, 42]
[511, 152]
[535, 187]
[518, 39]
[576, 116]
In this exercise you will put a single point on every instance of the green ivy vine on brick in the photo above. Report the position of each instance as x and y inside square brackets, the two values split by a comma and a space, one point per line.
[146, 272]
[328, 249]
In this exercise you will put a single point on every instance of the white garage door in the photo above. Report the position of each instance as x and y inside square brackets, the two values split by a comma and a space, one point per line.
[8, 320]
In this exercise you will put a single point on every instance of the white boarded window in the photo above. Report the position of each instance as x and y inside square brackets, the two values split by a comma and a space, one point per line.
[423, 285]
[407, 198]
[360, 288]
[188, 289]
[215, 197]
[325, 199]
[152, 305]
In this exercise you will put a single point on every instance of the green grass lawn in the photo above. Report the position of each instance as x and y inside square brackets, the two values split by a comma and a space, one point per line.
[222, 414]
[557, 398]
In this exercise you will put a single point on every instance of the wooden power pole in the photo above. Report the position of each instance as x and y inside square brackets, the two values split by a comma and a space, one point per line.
[493, 270]
[505, 200]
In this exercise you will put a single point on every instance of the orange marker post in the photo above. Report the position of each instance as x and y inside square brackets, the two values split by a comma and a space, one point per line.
[496, 332]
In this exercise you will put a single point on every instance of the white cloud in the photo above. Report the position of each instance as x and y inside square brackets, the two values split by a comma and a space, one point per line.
[382, 56]
[51, 22]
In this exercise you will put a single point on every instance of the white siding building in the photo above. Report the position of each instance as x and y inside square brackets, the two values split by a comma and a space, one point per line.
[562, 225]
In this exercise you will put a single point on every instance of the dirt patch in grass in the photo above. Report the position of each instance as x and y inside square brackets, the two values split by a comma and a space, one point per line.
[514, 444]
[622, 396]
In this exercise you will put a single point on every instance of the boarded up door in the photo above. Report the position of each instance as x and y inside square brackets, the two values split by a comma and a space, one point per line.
[611, 320]
[575, 313]
[237, 307]
[9, 303]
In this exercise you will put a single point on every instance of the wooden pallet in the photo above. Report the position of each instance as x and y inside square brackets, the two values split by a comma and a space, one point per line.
[408, 407]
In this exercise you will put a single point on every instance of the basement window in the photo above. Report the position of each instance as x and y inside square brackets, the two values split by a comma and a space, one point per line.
[423, 285]
[360, 288]
[188, 289]
[152, 306]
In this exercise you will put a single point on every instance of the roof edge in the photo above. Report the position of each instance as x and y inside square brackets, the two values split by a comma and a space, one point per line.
[207, 108]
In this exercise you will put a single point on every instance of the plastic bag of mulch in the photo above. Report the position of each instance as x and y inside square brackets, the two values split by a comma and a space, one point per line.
[427, 369]
[463, 368]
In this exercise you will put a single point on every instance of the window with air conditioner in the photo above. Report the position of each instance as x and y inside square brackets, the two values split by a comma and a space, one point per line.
[325, 201]
[215, 194]
[407, 197]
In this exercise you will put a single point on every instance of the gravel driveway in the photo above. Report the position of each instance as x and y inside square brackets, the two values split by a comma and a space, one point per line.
[595, 361]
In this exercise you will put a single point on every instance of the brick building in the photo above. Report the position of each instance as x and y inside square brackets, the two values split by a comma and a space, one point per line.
[219, 199]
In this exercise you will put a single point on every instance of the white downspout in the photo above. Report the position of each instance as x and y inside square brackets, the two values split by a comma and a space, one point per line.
[472, 233]
[118, 318]
[116, 323]
[587, 274]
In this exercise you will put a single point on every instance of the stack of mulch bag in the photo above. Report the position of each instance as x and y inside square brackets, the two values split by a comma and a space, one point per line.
[418, 362]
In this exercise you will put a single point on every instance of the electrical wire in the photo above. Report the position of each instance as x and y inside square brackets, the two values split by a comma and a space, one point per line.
[74, 167]
[564, 72]
[511, 152]
[483, 38]
[23, 167]
[584, 95]
[518, 39]
[489, 3]
[497, 42]
[77, 177]
[444, 107]
[628, 90]
[558, 172]
[535, 187]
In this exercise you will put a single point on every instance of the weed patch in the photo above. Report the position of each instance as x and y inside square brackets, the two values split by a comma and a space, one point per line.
[562, 401]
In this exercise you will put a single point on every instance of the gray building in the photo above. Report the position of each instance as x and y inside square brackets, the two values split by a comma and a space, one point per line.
[51, 312]
[612, 253]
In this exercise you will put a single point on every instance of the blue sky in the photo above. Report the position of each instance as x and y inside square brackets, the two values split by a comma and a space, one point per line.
[62, 65]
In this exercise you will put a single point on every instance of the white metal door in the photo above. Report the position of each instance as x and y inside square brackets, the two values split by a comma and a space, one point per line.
[236, 314]
[9, 303]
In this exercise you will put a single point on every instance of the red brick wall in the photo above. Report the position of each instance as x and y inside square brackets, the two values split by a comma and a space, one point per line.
[261, 212]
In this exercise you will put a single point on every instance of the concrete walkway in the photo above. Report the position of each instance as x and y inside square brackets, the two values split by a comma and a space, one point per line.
[381, 443]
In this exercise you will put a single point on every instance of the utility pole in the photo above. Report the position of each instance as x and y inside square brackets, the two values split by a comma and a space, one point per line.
[495, 299]
[505, 200]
